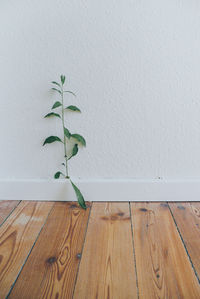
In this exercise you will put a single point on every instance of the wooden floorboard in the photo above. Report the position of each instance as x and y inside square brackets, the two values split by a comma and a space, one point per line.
[51, 268]
[6, 208]
[163, 267]
[110, 251]
[187, 218]
[17, 236]
[107, 267]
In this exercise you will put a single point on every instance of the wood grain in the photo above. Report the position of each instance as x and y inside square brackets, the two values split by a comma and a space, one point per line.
[51, 269]
[17, 236]
[6, 207]
[187, 217]
[107, 267]
[163, 267]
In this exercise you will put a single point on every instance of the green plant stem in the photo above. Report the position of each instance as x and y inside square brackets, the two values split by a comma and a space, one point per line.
[63, 124]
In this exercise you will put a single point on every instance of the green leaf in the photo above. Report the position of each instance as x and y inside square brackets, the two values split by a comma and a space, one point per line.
[52, 114]
[62, 78]
[79, 138]
[68, 91]
[73, 108]
[67, 133]
[74, 151]
[56, 105]
[79, 196]
[56, 90]
[51, 139]
[58, 174]
[56, 83]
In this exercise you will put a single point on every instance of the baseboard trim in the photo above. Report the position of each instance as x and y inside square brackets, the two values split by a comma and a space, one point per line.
[101, 190]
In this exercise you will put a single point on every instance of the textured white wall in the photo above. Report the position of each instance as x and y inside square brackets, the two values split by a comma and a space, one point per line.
[135, 66]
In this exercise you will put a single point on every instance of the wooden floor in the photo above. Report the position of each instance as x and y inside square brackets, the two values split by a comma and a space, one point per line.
[111, 250]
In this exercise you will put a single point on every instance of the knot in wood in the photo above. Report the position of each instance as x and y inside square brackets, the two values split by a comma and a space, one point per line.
[51, 260]
[78, 255]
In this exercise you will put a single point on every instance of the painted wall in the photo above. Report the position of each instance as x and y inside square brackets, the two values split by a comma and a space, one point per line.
[135, 66]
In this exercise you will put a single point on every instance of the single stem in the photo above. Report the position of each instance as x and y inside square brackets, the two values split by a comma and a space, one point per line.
[63, 124]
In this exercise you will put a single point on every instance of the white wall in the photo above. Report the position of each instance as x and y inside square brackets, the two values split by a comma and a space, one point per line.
[135, 66]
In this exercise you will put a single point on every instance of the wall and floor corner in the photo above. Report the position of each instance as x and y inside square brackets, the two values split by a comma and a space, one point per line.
[135, 66]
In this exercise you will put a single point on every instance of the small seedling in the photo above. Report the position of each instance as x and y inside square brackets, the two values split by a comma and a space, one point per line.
[75, 139]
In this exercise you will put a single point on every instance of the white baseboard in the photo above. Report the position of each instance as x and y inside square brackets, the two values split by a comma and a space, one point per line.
[102, 190]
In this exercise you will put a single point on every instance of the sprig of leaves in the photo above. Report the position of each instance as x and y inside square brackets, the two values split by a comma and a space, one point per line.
[73, 108]
[58, 174]
[52, 114]
[76, 139]
[68, 91]
[79, 138]
[51, 139]
[74, 151]
[56, 105]
[79, 196]
[53, 88]
[67, 133]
